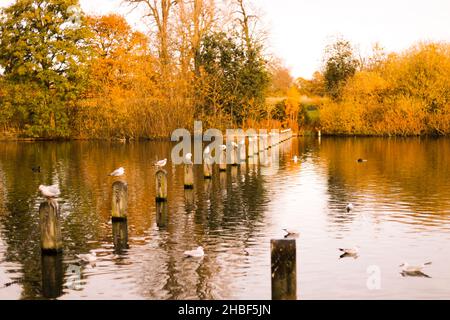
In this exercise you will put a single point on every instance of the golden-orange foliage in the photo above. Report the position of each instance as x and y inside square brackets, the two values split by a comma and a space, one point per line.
[404, 94]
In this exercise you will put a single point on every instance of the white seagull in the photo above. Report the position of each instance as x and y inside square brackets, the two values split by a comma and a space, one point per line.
[189, 157]
[353, 252]
[161, 163]
[50, 192]
[197, 253]
[88, 257]
[207, 150]
[118, 172]
[223, 147]
[413, 269]
[349, 207]
[291, 233]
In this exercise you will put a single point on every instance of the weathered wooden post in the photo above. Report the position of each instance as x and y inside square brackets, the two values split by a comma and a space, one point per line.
[189, 175]
[223, 160]
[256, 145]
[161, 185]
[162, 217]
[207, 167]
[250, 147]
[120, 236]
[284, 269]
[52, 275]
[119, 203]
[234, 155]
[51, 240]
[242, 153]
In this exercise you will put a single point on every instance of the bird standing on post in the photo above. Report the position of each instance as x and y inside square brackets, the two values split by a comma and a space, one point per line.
[161, 163]
[118, 172]
[50, 192]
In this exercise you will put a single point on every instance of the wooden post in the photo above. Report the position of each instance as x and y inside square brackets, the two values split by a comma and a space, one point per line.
[207, 167]
[188, 176]
[161, 185]
[52, 276]
[284, 269]
[120, 236]
[256, 144]
[250, 147]
[51, 240]
[162, 217]
[223, 160]
[119, 202]
[242, 153]
[234, 156]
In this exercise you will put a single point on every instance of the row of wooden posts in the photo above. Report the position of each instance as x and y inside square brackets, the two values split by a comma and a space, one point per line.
[283, 251]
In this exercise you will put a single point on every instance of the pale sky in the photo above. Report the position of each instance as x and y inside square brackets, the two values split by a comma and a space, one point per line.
[300, 29]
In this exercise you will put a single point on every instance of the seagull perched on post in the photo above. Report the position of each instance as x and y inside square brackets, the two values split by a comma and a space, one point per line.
[189, 157]
[118, 172]
[197, 253]
[50, 192]
[223, 147]
[161, 163]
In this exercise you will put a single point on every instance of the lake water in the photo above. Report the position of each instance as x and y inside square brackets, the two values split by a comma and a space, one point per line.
[402, 213]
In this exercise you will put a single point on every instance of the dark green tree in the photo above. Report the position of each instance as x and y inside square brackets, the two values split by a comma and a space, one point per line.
[236, 79]
[42, 52]
[340, 65]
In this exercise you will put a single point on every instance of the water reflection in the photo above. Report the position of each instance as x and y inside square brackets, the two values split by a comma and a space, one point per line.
[401, 197]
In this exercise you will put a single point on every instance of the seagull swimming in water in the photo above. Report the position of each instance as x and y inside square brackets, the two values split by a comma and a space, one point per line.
[88, 257]
[289, 233]
[360, 160]
[349, 252]
[197, 253]
[50, 192]
[349, 207]
[161, 163]
[118, 172]
[413, 269]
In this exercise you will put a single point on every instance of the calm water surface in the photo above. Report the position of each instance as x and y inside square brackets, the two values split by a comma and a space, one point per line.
[402, 213]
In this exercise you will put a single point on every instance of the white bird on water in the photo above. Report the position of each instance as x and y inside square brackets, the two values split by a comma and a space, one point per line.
[118, 172]
[88, 257]
[413, 269]
[350, 251]
[161, 163]
[349, 207]
[50, 192]
[291, 233]
[197, 253]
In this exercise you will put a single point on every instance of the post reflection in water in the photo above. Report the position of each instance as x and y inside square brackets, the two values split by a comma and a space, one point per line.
[401, 198]
[52, 276]
[120, 236]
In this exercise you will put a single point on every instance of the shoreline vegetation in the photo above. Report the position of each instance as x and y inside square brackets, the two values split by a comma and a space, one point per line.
[65, 75]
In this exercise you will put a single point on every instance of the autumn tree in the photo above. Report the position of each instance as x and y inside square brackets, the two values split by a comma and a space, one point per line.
[42, 51]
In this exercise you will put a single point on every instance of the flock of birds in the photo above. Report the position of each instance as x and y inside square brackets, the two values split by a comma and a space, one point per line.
[52, 192]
